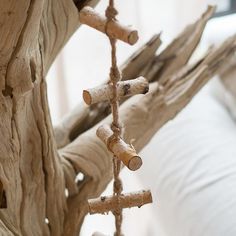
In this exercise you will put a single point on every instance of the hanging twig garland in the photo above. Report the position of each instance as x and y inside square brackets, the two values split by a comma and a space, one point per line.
[116, 128]
[111, 136]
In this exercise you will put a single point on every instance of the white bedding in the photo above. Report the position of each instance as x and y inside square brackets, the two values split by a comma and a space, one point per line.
[190, 166]
[192, 172]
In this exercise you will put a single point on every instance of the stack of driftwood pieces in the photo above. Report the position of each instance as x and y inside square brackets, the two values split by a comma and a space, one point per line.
[173, 83]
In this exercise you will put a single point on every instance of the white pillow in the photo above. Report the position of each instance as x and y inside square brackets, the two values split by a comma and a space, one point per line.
[225, 97]
[190, 165]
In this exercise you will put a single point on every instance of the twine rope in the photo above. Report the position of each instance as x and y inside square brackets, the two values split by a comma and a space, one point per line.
[115, 76]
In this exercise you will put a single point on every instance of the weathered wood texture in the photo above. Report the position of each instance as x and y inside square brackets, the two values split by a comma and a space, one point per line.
[32, 34]
[33, 173]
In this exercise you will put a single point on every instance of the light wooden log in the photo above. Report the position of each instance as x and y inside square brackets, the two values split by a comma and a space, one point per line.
[123, 151]
[113, 28]
[124, 89]
[103, 205]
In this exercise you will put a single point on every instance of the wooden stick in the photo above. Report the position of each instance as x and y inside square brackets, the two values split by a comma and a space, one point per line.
[124, 152]
[103, 205]
[124, 89]
[93, 19]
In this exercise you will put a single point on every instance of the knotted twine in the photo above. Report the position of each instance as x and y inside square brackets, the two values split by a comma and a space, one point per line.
[115, 77]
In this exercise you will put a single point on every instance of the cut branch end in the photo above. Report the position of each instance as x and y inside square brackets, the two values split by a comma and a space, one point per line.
[124, 152]
[112, 28]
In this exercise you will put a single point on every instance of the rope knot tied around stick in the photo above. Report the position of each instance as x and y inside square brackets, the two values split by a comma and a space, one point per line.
[123, 151]
[111, 13]
[115, 74]
[118, 186]
[116, 130]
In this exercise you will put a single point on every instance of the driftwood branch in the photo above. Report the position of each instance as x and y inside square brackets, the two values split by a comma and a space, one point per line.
[32, 34]
[177, 54]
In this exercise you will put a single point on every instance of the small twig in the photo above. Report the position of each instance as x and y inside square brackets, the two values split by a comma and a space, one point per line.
[103, 205]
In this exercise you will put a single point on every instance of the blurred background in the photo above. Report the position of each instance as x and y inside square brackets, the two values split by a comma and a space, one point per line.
[85, 61]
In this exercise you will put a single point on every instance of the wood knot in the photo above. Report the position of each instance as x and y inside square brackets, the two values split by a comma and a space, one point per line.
[3, 198]
[103, 199]
[8, 91]
[126, 89]
[146, 89]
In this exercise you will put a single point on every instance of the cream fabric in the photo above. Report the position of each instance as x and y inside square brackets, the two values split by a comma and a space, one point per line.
[190, 166]
[192, 171]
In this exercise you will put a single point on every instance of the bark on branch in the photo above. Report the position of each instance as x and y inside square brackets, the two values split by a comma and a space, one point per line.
[103, 205]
